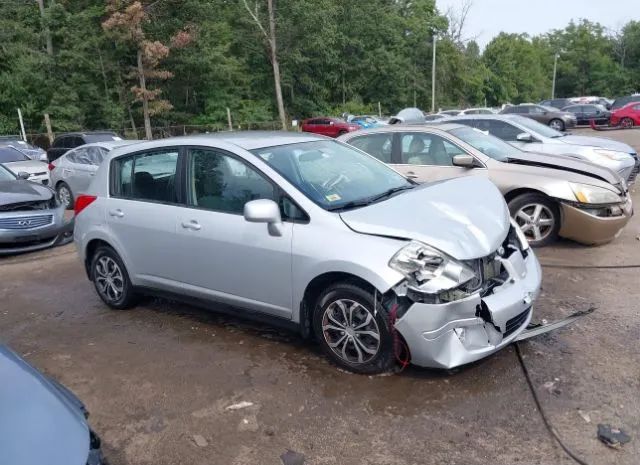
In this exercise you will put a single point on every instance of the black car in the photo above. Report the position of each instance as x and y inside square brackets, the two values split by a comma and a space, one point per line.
[556, 103]
[622, 101]
[42, 422]
[65, 142]
[587, 112]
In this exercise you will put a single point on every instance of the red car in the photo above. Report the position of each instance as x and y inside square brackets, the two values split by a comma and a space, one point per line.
[627, 117]
[332, 127]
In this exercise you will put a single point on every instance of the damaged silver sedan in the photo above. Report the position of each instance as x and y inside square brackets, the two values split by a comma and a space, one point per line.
[314, 234]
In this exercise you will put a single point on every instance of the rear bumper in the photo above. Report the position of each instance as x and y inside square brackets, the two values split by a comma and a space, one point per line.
[461, 332]
[60, 232]
[586, 228]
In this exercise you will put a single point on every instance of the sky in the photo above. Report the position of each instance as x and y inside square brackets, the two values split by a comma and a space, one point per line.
[487, 18]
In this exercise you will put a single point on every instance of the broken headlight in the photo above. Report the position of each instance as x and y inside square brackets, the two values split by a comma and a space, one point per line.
[428, 270]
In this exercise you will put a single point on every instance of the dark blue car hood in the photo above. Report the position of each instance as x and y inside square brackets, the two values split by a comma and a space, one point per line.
[39, 422]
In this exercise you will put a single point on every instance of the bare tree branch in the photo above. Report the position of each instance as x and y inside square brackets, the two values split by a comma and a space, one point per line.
[254, 16]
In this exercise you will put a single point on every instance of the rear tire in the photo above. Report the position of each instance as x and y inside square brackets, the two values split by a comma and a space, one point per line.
[538, 216]
[626, 123]
[353, 329]
[111, 279]
[557, 124]
[65, 195]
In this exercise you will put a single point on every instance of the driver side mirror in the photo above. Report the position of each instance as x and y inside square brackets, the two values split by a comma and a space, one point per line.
[524, 137]
[23, 175]
[464, 161]
[264, 211]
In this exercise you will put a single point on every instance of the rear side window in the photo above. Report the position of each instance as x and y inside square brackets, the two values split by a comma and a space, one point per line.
[500, 129]
[377, 145]
[61, 142]
[76, 141]
[147, 176]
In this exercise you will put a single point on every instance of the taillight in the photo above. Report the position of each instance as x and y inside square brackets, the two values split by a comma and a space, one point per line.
[51, 166]
[82, 202]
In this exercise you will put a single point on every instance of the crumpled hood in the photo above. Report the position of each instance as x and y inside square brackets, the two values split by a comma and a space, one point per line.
[465, 217]
[597, 142]
[565, 163]
[23, 191]
[38, 424]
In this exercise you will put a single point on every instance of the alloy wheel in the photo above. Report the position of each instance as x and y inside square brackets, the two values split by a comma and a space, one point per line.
[351, 331]
[557, 125]
[109, 278]
[65, 196]
[536, 221]
[626, 123]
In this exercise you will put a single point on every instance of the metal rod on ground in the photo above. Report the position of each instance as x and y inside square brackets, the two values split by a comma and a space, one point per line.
[24, 134]
[47, 122]
[229, 119]
[433, 77]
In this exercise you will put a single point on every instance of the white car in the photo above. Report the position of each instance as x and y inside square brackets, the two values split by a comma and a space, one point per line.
[72, 173]
[18, 162]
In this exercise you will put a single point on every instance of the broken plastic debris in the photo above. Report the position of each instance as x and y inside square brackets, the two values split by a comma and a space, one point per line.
[612, 437]
[291, 457]
[239, 405]
[585, 416]
[200, 440]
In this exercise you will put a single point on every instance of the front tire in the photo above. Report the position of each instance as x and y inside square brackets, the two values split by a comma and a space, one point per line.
[557, 124]
[65, 195]
[111, 279]
[538, 216]
[353, 329]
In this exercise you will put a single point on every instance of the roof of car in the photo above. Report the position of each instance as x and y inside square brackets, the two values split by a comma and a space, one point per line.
[247, 140]
[85, 133]
[445, 125]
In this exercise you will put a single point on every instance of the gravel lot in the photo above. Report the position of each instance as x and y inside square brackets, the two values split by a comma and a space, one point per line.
[158, 379]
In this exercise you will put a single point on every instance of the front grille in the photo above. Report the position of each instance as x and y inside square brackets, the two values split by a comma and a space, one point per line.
[25, 222]
[515, 322]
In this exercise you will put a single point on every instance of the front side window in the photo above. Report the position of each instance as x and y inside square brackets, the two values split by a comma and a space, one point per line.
[428, 149]
[485, 143]
[500, 129]
[538, 128]
[148, 176]
[223, 183]
[6, 175]
[377, 145]
[333, 175]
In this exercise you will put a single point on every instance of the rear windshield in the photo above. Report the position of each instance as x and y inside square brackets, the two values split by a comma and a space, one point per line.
[9, 154]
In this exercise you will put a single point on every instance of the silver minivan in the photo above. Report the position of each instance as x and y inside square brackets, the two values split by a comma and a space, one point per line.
[314, 234]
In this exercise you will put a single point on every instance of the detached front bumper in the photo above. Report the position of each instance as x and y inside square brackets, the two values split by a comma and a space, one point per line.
[456, 333]
[587, 228]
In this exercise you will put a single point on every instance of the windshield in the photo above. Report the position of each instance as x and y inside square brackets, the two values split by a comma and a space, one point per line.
[331, 174]
[6, 175]
[9, 154]
[490, 145]
[538, 128]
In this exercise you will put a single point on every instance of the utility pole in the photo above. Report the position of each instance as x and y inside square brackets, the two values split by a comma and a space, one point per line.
[555, 69]
[24, 134]
[433, 77]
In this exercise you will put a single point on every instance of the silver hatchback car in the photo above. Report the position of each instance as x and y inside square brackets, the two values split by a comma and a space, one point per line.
[317, 235]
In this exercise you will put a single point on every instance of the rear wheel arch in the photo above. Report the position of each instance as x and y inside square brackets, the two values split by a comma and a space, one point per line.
[90, 250]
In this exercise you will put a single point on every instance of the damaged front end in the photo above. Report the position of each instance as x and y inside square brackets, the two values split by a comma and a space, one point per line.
[455, 312]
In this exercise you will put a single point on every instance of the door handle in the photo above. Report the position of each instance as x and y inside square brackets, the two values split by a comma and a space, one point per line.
[193, 225]
[117, 213]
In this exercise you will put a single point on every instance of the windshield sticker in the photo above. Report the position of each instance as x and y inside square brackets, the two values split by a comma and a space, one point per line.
[333, 197]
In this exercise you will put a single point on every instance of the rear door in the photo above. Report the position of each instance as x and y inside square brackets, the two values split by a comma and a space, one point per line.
[77, 173]
[143, 208]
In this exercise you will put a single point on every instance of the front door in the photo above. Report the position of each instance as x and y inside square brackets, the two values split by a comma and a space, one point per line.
[227, 258]
[427, 157]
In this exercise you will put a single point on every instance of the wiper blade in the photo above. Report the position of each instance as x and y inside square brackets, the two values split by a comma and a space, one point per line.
[369, 200]
[390, 192]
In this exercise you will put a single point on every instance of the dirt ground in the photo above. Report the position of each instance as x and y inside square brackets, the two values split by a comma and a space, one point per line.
[158, 379]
